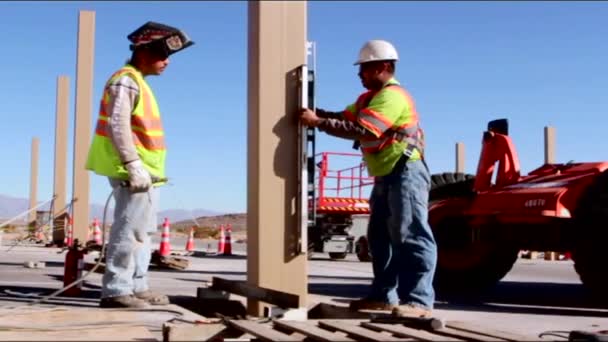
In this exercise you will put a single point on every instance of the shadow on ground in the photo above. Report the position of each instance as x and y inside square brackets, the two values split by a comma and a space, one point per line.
[507, 296]
[27, 294]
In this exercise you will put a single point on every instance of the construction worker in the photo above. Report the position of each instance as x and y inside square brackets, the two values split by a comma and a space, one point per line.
[129, 148]
[385, 125]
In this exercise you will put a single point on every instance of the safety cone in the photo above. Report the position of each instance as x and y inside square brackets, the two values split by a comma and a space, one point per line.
[165, 244]
[190, 242]
[39, 234]
[69, 238]
[49, 235]
[96, 232]
[228, 242]
[221, 243]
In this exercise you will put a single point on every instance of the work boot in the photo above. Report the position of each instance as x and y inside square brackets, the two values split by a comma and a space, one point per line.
[410, 310]
[152, 298]
[128, 301]
[368, 304]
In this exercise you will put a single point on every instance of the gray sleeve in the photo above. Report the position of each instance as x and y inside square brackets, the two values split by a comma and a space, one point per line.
[123, 97]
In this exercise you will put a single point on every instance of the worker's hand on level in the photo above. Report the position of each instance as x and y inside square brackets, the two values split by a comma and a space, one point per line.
[309, 118]
[139, 177]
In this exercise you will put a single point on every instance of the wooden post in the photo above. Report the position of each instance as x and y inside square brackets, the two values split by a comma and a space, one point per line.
[550, 159]
[33, 179]
[277, 47]
[460, 157]
[549, 145]
[60, 162]
[82, 123]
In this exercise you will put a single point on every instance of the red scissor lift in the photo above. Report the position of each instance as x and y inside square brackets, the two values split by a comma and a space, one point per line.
[341, 191]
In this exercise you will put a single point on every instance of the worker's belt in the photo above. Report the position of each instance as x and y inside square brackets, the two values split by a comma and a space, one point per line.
[411, 144]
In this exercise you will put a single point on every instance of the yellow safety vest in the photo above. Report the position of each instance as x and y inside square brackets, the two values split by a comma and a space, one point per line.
[390, 114]
[146, 126]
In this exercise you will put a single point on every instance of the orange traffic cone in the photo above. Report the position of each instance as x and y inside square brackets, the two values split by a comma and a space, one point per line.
[222, 242]
[69, 237]
[190, 242]
[96, 232]
[39, 234]
[165, 244]
[228, 242]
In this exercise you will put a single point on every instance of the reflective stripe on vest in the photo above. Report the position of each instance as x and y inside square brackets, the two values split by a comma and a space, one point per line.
[410, 133]
[146, 129]
[146, 125]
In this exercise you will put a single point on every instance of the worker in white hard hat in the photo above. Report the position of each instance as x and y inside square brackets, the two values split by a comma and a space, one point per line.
[385, 123]
[129, 149]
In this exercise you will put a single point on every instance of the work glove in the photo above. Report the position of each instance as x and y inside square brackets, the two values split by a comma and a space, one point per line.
[139, 178]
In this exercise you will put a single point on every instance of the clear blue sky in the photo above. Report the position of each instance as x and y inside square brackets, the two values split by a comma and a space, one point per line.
[543, 63]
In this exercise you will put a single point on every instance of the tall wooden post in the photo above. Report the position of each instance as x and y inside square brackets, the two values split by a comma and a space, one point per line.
[549, 145]
[82, 125]
[60, 162]
[550, 159]
[460, 157]
[277, 47]
[33, 178]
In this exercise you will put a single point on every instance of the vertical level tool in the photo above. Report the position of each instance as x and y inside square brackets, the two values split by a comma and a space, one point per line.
[306, 151]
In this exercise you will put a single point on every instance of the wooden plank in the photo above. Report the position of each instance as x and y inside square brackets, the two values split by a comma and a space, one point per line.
[281, 299]
[478, 329]
[311, 331]
[192, 332]
[466, 335]
[109, 333]
[358, 331]
[261, 331]
[330, 311]
[401, 330]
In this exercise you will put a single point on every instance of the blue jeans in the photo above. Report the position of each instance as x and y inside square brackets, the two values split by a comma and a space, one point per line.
[404, 252]
[128, 250]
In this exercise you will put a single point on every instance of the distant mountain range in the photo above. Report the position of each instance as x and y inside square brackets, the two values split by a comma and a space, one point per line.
[13, 206]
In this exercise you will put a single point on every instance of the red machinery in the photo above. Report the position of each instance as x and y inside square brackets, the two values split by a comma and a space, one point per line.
[480, 225]
[341, 191]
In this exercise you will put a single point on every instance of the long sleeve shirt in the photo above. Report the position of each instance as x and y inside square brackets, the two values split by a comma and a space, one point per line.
[335, 124]
[124, 93]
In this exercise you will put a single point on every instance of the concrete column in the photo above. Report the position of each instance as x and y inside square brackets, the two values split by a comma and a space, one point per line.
[82, 122]
[277, 47]
[460, 157]
[60, 162]
[33, 178]
[549, 144]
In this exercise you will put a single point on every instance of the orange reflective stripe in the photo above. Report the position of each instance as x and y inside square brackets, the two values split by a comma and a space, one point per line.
[102, 128]
[375, 145]
[350, 116]
[374, 121]
[148, 108]
[149, 142]
[146, 123]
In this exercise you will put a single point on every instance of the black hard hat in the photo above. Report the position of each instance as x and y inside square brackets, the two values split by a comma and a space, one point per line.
[160, 38]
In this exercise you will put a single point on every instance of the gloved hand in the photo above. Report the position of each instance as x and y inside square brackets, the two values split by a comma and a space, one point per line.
[139, 177]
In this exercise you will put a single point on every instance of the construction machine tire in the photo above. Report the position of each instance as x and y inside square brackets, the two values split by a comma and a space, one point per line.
[337, 255]
[466, 268]
[590, 235]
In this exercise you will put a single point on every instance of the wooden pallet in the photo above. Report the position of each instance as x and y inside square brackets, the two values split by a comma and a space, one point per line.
[342, 330]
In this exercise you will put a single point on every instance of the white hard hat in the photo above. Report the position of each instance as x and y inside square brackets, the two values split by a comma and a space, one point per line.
[377, 50]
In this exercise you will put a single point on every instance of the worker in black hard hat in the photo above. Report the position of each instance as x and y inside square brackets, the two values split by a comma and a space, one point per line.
[129, 145]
